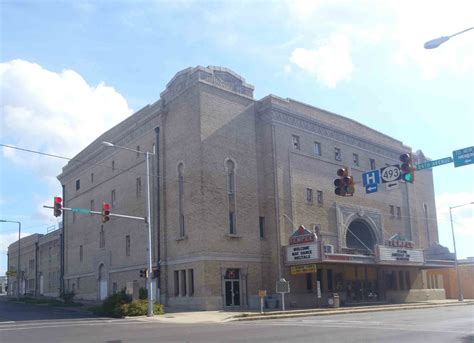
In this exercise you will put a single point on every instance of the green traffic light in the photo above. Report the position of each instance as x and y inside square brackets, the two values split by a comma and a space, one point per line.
[407, 177]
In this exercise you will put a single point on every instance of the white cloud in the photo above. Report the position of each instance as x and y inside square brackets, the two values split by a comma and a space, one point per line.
[56, 113]
[8, 238]
[463, 217]
[330, 63]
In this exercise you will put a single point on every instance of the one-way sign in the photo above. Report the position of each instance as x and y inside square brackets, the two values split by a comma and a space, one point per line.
[391, 185]
[372, 188]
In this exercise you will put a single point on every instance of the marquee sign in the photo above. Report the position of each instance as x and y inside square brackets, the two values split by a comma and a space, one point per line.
[302, 235]
[402, 255]
[302, 253]
[400, 243]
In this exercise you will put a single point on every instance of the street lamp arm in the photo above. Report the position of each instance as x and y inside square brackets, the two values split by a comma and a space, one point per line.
[434, 43]
[458, 33]
[125, 148]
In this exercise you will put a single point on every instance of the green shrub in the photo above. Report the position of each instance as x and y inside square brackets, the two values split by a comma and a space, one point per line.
[112, 306]
[67, 296]
[142, 293]
[140, 308]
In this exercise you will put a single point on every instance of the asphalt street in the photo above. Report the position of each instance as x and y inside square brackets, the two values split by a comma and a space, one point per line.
[442, 324]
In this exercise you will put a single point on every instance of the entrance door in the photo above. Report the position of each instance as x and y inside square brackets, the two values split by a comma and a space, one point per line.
[232, 293]
[103, 289]
[41, 285]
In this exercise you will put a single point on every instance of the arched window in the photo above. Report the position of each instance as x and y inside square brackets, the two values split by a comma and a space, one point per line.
[360, 237]
[181, 199]
[231, 195]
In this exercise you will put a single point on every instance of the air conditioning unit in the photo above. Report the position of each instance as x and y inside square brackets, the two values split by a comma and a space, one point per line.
[329, 249]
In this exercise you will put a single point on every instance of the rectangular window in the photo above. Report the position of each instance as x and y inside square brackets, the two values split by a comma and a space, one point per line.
[112, 198]
[320, 198]
[113, 165]
[138, 151]
[372, 164]
[92, 205]
[102, 237]
[81, 253]
[261, 224]
[317, 148]
[92, 177]
[232, 223]
[309, 196]
[114, 288]
[139, 187]
[309, 282]
[392, 210]
[330, 281]
[337, 154]
[73, 217]
[127, 245]
[78, 184]
[31, 264]
[176, 283]
[49, 254]
[355, 158]
[191, 281]
[183, 283]
[399, 212]
[296, 142]
[78, 283]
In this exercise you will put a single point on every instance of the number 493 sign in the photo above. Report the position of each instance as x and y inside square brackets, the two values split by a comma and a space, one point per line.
[390, 173]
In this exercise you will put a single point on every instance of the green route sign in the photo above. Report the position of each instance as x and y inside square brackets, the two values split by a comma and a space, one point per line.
[435, 163]
[80, 210]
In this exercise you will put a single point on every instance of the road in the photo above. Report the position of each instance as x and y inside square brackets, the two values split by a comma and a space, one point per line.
[444, 324]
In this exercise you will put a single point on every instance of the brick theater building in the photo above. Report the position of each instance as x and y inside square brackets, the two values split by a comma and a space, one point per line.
[242, 196]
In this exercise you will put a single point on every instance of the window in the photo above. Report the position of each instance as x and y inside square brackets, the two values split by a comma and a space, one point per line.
[113, 165]
[92, 177]
[309, 282]
[337, 154]
[317, 148]
[191, 281]
[138, 151]
[182, 231]
[78, 184]
[309, 196]
[296, 142]
[392, 210]
[231, 196]
[139, 187]
[73, 217]
[78, 283]
[176, 283]
[81, 253]
[49, 254]
[372, 164]
[92, 205]
[399, 212]
[102, 237]
[31, 264]
[355, 158]
[112, 198]
[330, 282]
[320, 198]
[114, 288]
[127, 245]
[183, 282]
[261, 225]
[425, 213]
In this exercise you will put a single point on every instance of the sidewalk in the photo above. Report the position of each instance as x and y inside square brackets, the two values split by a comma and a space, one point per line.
[226, 316]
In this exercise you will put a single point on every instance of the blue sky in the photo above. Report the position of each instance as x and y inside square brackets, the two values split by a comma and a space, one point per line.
[70, 70]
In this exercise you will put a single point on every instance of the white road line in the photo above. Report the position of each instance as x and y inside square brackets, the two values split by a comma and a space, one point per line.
[67, 324]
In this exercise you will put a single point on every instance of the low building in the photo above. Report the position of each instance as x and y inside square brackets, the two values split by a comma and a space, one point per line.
[233, 179]
[3, 285]
[447, 278]
[40, 265]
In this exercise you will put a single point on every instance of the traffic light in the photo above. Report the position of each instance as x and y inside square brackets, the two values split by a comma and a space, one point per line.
[58, 206]
[345, 183]
[105, 212]
[156, 273]
[407, 168]
[144, 273]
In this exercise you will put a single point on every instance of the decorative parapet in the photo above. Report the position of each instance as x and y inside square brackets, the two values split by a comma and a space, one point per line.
[217, 76]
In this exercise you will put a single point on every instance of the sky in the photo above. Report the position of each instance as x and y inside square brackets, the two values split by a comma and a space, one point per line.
[70, 70]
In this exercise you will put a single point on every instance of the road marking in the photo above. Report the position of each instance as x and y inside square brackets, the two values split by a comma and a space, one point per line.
[35, 326]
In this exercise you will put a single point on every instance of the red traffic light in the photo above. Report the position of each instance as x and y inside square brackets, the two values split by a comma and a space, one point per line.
[105, 212]
[58, 206]
[345, 183]
[342, 172]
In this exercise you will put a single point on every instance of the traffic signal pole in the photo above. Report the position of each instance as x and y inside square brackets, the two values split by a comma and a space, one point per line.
[86, 211]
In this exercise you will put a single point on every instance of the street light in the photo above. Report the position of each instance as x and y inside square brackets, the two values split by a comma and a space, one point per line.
[19, 246]
[150, 274]
[460, 295]
[434, 43]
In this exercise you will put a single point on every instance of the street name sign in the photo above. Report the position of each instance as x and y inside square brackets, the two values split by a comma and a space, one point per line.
[390, 173]
[371, 177]
[435, 163]
[391, 185]
[80, 210]
[372, 188]
[463, 157]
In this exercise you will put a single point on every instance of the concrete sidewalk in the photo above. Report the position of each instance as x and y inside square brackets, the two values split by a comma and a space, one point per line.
[227, 316]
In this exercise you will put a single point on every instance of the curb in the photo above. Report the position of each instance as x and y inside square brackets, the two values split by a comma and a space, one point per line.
[343, 311]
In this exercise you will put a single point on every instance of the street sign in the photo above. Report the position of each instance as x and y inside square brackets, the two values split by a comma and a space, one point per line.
[463, 157]
[390, 173]
[372, 188]
[371, 177]
[391, 185]
[435, 163]
[282, 286]
[80, 210]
